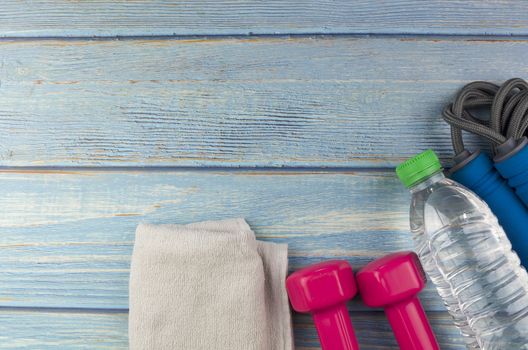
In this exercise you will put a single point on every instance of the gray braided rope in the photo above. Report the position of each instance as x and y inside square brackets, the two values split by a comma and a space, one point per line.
[508, 116]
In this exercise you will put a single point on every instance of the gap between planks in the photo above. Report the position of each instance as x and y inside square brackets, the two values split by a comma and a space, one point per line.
[78, 310]
[258, 170]
[315, 35]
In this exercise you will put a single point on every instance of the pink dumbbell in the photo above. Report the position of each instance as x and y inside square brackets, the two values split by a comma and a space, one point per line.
[323, 290]
[393, 282]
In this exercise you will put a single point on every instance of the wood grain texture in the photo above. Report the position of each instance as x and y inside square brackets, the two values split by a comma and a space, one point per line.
[77, 330]
[66, 238]
[339, 101]
[171, 17]
[62, 330]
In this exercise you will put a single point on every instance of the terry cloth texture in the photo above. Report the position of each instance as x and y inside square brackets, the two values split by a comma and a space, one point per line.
[208, 285]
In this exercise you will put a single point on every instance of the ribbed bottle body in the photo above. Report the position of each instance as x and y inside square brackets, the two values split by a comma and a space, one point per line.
[474, 257]
[419, 197]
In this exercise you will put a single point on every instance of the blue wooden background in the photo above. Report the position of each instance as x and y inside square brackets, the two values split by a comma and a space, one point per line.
[291, 114]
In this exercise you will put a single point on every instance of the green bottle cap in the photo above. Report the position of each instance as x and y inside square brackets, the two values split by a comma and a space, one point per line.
[418, 168]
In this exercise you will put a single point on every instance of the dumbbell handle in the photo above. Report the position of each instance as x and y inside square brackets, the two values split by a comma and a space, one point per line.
[410, 325]
[335, 328]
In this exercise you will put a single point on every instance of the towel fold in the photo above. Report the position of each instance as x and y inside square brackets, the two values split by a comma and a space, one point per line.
[208, 285]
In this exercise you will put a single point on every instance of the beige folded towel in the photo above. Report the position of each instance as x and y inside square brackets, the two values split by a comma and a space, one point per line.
[208, 285]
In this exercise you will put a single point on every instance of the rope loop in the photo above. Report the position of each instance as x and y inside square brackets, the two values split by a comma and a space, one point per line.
[508, 112]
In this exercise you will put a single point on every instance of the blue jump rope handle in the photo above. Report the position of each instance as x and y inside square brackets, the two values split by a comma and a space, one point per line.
[481, 177]
[515, 170]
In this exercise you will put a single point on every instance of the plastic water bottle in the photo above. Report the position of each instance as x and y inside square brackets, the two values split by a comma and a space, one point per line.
[467, 256]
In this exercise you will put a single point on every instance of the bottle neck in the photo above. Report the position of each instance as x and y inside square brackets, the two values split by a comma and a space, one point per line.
[428, 181]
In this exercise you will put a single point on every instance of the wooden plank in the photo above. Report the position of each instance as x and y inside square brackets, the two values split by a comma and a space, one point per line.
[339, 102]
[67, 330]
[165, 17]
[62, 330]
[66, 238]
